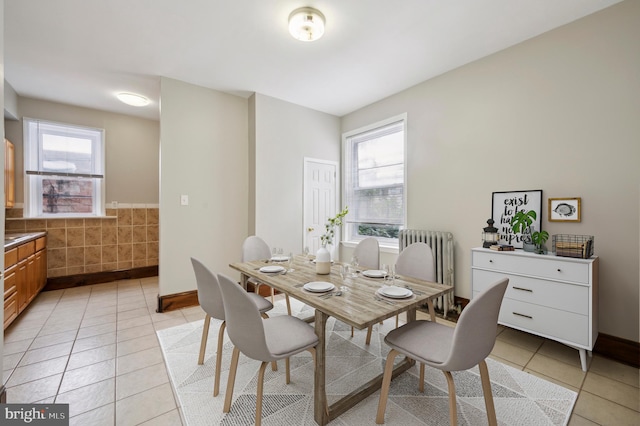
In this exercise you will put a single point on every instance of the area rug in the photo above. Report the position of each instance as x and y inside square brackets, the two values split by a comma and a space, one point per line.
[520, 398]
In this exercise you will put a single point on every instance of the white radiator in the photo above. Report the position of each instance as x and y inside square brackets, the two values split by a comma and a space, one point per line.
[441, 244]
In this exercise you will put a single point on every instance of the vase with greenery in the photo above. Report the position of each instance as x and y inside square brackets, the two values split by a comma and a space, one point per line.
[323, 256]
[522, 222]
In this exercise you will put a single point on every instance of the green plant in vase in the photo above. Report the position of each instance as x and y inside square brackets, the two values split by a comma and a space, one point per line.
[522, 222]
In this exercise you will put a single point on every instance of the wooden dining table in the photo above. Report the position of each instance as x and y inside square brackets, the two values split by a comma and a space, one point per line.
[359, 307]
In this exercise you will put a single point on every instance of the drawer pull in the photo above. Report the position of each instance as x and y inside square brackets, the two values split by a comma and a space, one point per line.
[523, 289]
[490, 260]
[522, 315]
[559, 270]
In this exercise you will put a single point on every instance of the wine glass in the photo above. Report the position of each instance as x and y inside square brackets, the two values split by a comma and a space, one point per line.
[306, 252]
[354, 266]
[344, 274]
[290, 262]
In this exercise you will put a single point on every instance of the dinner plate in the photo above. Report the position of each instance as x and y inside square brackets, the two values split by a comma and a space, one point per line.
[374, 273]
[279, 258]
[272, 269]
[396, 292]
[318, 286]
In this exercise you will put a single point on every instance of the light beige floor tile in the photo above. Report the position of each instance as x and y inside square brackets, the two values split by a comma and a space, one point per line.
[43, 354]
[565, 373]
[133, 322]
[577, 420]
[137, 360]
[16, 347]
[89, 397]
[24, 322]
[171, 322]
[506, 362]
[37, 371]
[172, 418]
[527, 341]
[93, 342]
[102, 319]
[102, 416]
[141, 380]
[604, 412]
[157, 317]
[91, 356]
[10, 361]
[53, 339]
[14, 336]
[511, 353]
[136, 345]
[123, 307]
[615, 370]
[102, 301]
[562, 353]
[145, 406]
[552, 380]
[613, 390]
[90, 374]
[96, 330]
[134, 313]
[33, 391]
[100, 311]
[135, 332]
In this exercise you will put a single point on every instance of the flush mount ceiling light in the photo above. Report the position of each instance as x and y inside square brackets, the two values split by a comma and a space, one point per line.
[133, 99]
[306, 24]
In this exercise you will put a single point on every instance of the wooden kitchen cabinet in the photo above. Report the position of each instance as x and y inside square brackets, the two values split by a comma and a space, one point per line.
[9, 175]
[25, 276]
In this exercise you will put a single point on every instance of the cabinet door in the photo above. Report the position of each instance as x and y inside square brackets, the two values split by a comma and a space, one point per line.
[10, 296]
[22, 284]
[9, 174]
[32, 278]
[41, 269]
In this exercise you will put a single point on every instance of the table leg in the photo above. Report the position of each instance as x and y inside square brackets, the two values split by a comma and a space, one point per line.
[243, 281]
[319, 392]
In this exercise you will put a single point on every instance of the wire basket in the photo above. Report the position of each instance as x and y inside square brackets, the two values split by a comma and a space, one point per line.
[567, 245]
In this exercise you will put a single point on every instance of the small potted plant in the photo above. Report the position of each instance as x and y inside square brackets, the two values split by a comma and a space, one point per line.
[522, 222]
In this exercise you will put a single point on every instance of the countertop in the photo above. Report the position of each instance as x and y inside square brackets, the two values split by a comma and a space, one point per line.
[15, 239]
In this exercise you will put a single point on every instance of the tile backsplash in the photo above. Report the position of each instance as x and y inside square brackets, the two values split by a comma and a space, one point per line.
[126, 238]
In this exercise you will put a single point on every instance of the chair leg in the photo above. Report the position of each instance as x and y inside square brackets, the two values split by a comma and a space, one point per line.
[231, 380]
[453, 410]
[351, 331]
[286, 298]
[203, 342]
[216, 386]
[488, 396]
[397, 320]
[287, 375]
[263, 366]
[384, 389]
[369, 330]
[273, 292]
[421, 385]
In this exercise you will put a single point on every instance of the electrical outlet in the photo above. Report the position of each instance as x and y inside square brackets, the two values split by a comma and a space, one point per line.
[184, 200]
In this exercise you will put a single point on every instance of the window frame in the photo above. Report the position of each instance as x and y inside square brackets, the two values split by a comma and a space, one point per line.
[34, 176]
[349, 235]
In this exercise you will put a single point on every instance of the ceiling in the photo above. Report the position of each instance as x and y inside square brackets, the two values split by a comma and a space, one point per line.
[82, 52]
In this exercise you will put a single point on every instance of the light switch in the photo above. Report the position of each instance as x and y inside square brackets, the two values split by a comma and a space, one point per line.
[184, 200]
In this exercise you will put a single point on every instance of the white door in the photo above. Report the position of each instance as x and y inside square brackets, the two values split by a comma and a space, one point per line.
[320, 199]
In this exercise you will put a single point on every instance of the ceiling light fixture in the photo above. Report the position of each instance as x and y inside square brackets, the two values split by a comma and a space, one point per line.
[133, 99]
[306, 24]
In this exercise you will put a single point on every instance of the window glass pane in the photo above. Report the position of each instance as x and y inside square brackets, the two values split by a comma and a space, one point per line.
[381, 176]
[67, 195]
[382, 151]
[66, 154]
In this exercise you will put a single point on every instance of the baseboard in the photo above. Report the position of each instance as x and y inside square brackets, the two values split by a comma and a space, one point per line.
[79, 280]
[618, 349]
[171, 302]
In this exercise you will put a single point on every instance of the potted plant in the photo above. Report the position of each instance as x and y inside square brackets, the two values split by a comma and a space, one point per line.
[323, 256]
[522, 222]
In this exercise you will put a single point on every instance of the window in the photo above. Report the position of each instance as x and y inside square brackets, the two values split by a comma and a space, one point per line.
[64, 166]
[374, 181]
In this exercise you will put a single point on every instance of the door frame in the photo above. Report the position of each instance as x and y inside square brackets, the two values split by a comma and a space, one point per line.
[337, 185]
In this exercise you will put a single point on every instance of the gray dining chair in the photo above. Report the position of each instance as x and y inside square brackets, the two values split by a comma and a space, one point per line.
[417, 261]
[368, 254]
[450, 349]
[255, 248]
[265, 340]
[210, 300]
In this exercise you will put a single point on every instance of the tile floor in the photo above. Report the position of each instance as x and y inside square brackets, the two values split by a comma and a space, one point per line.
[95, 348]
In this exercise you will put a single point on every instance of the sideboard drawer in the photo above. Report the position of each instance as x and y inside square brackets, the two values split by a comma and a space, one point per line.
[566, 297]
[540, 267]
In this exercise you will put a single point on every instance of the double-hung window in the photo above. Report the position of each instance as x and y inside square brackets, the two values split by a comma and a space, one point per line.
[64, 169]
[374, 181]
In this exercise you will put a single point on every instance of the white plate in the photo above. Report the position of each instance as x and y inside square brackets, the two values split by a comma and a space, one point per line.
[272, 269]
[396, 292]
[318, 286]
[279, 258]
[374, 273]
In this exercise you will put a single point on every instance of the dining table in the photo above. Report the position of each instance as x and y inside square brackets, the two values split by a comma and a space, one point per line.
[361, 305]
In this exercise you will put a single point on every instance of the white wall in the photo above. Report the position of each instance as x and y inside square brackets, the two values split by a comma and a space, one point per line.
[284, 135]
[203, 154]
[558, 113]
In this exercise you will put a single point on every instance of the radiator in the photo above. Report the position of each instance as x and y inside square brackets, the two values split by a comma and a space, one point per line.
[441, 244]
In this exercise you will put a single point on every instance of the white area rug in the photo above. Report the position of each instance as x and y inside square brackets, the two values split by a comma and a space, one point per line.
[520, 398]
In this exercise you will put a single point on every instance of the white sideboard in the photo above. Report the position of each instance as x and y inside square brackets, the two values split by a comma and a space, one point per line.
[550, 296]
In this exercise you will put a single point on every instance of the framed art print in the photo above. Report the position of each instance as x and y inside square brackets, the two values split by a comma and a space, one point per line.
[505, 204]
[564, 209]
